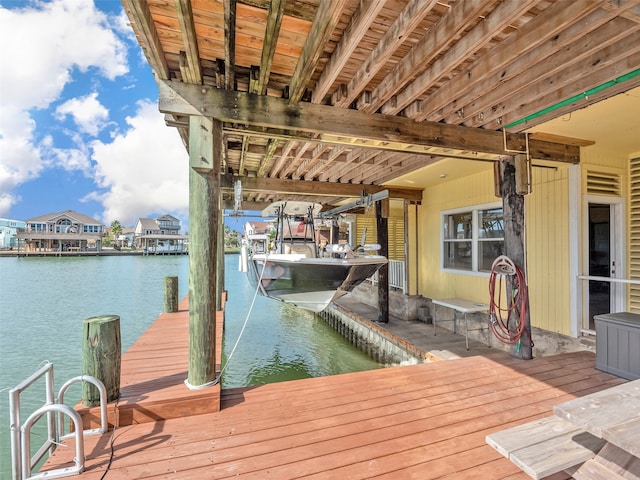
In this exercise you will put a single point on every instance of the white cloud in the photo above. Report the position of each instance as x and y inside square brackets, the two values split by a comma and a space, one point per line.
[47, 40]
[87, 112]
[145, 170]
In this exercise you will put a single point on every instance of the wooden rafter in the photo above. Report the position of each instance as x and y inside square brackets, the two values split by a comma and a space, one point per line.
[148, 36]
[272, 30]
[434, 42]
[229, 43]
[458, 18]
[324, 22]
[629, 51]
[191, 72]
[333, 155]
[307, 163]
[243, 154]
[407, 21]
[284, 157]
[527, 74]
[296, 160]
[531, 35]
[360, 23]
[272, 145]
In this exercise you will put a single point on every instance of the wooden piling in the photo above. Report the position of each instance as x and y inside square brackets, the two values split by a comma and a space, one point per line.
[101, 354]
[170, 294]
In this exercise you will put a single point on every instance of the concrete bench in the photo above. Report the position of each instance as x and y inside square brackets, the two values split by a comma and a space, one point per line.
[546, 446]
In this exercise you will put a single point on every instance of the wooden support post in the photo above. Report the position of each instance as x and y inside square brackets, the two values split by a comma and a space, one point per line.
[170, 294]
[220, 263]
[514, 241]
[205, 147]
[101, 354]
[382, 213]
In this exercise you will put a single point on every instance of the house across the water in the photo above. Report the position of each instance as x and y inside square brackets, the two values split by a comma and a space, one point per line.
[66, 231]
[160, 235]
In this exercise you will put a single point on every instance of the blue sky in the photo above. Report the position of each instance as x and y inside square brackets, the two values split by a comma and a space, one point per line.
[79, 122]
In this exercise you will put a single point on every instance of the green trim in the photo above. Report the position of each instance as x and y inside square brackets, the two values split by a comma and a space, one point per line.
[580, 96]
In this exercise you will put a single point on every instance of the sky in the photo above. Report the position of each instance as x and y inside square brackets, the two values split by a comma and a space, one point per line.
[80, 127]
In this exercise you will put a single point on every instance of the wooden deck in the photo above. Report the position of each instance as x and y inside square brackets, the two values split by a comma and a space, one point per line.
[423, 421]
[152, 376]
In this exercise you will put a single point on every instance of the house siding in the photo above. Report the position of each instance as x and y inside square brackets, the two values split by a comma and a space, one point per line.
[433, 282]
[548, 260]
[549, 240]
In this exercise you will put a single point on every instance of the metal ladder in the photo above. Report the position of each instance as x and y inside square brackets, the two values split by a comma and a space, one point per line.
[22, 462]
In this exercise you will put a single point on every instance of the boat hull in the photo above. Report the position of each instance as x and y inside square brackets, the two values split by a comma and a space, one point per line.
[310, 283]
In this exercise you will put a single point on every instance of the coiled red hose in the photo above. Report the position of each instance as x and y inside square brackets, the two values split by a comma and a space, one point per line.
[499, 314]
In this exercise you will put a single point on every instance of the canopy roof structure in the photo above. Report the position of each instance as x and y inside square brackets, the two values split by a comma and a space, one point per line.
[319, 98]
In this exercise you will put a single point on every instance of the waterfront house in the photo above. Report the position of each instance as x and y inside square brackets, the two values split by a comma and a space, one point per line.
[496, 127]
[66, 231]
[9, 230]
[126, 237]
[159, 235]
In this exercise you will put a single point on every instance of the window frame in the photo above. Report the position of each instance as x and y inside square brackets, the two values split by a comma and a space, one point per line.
[475, 238]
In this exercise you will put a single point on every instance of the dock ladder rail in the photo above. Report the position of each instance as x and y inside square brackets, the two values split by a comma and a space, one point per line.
[22, 462]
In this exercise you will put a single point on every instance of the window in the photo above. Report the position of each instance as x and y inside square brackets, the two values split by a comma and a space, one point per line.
[472, 238]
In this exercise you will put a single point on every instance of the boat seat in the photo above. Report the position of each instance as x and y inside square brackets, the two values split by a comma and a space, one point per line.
[301, 248]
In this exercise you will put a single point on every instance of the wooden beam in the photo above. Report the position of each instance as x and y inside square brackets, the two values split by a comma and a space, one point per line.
[300, 187]
[622, 57]
[343, 126]
[284, 157]
[413, 13]
[190, 41]
[333, 155]
[435, 41]
[229, 44]
[326, 18]
[367, 12]
[457, 19]
[243, 154]
[529, 76]
[139, 14]
[529, 37]
[268, 155]
[272, 31]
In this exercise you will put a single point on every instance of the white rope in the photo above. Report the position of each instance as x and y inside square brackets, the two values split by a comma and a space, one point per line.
[246, 320]
[244, 325]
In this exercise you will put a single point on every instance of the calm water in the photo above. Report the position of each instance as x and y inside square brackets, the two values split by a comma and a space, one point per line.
[43, 302]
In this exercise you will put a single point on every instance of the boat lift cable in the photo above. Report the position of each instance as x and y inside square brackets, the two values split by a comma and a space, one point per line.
[499, 315]
[244, 325]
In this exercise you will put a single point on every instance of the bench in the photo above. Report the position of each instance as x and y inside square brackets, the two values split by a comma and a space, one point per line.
[546, 446]
[459, 305]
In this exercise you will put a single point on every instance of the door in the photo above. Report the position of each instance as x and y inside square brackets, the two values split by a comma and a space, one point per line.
[600, 263]
[604, 234]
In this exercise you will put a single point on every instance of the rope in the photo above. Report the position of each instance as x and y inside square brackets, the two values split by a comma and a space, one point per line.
[244, 325]
[499, 315]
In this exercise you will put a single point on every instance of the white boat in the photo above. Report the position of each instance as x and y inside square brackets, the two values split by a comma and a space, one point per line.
[296, 270]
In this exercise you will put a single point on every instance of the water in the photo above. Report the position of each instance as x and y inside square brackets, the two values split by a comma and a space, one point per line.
[43, 302]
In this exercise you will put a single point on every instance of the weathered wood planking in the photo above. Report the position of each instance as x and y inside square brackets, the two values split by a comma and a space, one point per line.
[546, 446]
[603, 410]
[625, 435]
[612, 463]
